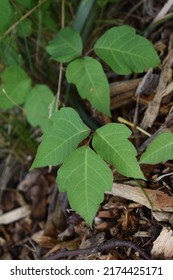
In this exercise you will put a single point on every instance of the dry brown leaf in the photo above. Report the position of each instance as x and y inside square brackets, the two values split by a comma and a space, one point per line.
[148, 84]
[160, 200]
[30, 179]
[93, 241]
[154, 106]
[15, 215]
[168, 5]
[68, 245]
[44, 241]
[163, 245]
[163, 216]
[122, 92]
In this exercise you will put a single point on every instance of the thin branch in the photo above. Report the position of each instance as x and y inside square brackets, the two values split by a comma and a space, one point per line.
[59, 86]
[61, 65]
[98, 249]
[11, 28]
[63, 14]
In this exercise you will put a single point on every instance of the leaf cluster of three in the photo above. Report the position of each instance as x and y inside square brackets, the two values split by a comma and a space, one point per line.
[84, 174]
[120, 47]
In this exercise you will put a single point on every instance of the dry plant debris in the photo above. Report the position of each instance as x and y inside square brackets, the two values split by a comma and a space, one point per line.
[163, 245]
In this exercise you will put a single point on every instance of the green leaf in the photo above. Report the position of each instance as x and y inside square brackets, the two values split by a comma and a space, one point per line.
[5, 15]
[159, 150]
[85, 177]
[65, 134]
[17, 85]
[83, 13]
[88, 76]
[9, 52]
[111, 143]
[25, 3]
[37, 106]
[102, 3]
[66, 45]
[24, 29]
[126, 52]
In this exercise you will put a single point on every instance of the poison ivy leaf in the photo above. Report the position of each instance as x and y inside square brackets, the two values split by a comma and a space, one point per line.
[66, 45]
[17, 85]
[126, 52]
[65, 134]
[88, 76]
[85, 177]
[5, 15]
[159, 150]
[37, 106]
[111, 143]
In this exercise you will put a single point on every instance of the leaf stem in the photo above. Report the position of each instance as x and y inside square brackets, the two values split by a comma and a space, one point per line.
[144, 192]
[90, 137]
[122, 120]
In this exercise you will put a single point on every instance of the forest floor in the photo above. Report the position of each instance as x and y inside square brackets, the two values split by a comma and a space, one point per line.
[132, 223]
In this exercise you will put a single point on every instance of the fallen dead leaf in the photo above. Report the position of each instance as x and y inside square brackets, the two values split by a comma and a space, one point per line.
[163, 245]
[154, 199]
[44, 241]
[153, 108]
[65, 245]
[15, 215]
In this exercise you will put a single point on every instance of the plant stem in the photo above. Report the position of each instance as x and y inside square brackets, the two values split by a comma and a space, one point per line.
[106, 246]
[61, 65]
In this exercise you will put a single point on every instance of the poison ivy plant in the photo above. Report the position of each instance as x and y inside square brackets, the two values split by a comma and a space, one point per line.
[84, 172]
[159, 150]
